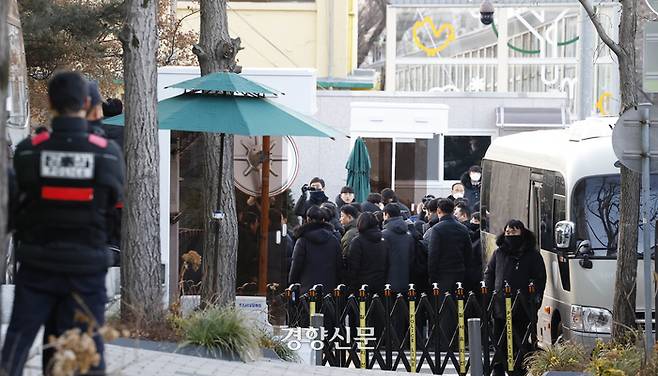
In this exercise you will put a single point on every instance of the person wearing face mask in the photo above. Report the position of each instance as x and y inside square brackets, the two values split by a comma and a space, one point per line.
[457, 192]
[471, 181]
[517, 262]
[316, 197]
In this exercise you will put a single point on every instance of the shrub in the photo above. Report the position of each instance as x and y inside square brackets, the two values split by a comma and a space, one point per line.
[268, 341]
[560, 357]
[222, 330]
[613, 359]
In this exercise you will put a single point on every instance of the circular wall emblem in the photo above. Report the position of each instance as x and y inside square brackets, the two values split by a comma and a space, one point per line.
[248, 156]
[653, 5]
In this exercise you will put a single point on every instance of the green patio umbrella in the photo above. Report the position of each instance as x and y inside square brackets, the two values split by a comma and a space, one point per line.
[234, 114]
[358, 170]
[227, 103]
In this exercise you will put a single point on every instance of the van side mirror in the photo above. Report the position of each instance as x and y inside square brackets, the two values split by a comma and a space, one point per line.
[564, 235]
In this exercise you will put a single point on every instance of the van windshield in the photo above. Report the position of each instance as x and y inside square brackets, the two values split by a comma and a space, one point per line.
[596, 213]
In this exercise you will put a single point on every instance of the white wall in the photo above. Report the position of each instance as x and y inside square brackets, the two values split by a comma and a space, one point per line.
[469, 113]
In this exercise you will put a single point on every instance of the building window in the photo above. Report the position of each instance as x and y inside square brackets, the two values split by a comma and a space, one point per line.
[462, 152]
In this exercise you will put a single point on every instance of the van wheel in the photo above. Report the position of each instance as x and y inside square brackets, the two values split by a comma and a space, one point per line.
[557, 336]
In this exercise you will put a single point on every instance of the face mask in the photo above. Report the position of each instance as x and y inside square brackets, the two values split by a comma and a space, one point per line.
[317, 196]
[513, 242]
[475, 176]
[458, 195]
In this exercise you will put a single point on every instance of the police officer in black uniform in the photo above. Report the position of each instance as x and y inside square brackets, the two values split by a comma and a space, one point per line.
[68, 182]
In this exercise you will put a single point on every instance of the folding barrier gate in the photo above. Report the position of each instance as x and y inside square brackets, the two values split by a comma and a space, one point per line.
[417, 331]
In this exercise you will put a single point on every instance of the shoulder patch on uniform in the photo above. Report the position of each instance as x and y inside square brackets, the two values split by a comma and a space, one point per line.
[40, 138]
[98, 140]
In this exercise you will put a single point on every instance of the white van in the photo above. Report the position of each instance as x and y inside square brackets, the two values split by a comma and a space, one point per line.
[571, 175]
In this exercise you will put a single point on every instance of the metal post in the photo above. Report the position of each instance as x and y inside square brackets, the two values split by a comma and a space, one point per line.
[264, 217]
[317, 321]
[646, 239]
[508, 327]
[461, 329]
[362, 325]
[475, 347]
[412, 327]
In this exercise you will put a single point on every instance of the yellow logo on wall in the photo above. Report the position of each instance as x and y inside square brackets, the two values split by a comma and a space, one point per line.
[445, 28]
[603, 103]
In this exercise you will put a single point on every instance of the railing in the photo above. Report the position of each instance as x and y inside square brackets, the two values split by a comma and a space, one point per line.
[417, 331]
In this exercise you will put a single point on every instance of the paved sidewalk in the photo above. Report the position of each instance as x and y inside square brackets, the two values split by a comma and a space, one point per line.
[136, 362]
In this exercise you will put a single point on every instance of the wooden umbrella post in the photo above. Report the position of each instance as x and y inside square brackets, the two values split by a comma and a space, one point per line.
[264, 217]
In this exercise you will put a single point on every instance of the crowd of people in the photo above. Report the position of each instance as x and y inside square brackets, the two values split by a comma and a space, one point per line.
[381, 242]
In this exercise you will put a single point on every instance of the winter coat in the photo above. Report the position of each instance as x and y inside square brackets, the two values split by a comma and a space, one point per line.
[518, 267]
[396, 233]
[368, 261]
[338, 227]
[427, 226]
[471, 192]
[316, 258]
[369, 207]
[350, 233]
[449, 248]
[474, 266]
[303, 204]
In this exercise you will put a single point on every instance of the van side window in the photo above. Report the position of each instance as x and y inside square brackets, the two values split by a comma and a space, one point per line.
[546, 212]
[505, 196]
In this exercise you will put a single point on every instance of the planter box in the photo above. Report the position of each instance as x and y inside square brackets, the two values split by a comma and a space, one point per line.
[192, 350]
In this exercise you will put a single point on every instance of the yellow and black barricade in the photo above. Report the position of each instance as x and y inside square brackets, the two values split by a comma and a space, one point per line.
[461, 327]
[508, 326]
[363, 293]
[412, 327]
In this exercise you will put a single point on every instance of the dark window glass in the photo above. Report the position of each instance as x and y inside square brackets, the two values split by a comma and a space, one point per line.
[417, 160]
[507, 195]
[462, 152]
[380, 152]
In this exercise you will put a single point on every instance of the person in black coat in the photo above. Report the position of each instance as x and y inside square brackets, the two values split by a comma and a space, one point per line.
[368, 256]
[396, 233]
[372, 204]
[316, 197]
[449, 248]
[471, 180]
[333, 218]
[345, 197]
[517, 262]
[316, 258]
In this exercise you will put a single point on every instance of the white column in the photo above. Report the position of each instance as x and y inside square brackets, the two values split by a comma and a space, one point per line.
[503, 50]
[391, 46]
[585, 76]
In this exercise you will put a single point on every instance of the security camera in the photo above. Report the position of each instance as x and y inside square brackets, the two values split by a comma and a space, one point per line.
[486, 12]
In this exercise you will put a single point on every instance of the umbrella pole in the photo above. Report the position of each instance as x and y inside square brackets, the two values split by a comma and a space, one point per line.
[264, 217]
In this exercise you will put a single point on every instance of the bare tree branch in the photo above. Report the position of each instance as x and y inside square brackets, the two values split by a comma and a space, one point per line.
[616, 48]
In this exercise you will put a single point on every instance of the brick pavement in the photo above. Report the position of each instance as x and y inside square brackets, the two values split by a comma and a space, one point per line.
[137, 362]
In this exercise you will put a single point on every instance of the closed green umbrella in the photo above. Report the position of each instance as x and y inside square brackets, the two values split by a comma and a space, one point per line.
[358, 170]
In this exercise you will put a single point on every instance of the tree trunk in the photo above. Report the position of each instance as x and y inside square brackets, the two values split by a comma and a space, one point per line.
[216, 52]
[4, 80]
[623, 309]
[141, 292]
